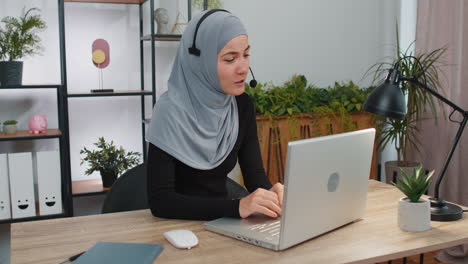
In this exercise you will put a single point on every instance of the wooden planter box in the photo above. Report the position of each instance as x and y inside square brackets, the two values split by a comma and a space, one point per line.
[274, 133]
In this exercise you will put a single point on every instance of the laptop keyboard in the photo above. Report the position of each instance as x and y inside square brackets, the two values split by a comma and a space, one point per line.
[272, 229]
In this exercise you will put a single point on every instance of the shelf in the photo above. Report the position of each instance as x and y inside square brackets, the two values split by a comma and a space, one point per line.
[115, 93]
[25, 135]
[159, 37]
[32, 218]
[41, 86]
[109, 1]
[88, 187]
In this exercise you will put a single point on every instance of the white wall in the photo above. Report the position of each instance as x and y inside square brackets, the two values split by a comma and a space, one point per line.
[326, 40]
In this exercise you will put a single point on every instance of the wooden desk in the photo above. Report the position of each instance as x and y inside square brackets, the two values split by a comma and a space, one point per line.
[376, 238]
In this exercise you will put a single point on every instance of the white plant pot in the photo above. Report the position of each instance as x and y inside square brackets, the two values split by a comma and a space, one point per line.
[10, 129]
[414, 217]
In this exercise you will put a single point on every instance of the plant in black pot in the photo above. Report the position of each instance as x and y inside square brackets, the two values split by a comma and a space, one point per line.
[109, 160]
[403, 134]
[18, 38]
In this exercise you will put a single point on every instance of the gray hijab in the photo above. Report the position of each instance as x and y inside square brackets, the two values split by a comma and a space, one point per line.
[195, 121]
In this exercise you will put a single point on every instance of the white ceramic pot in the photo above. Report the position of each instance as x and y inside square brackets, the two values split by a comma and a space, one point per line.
[10, 129]
[414, 217]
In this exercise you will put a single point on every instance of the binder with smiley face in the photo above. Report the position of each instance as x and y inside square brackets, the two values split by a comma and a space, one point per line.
[21, 185]
[47, 168]
[5, 210]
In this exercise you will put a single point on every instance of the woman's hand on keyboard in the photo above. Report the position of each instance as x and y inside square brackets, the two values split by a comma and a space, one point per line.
[278, 189]
[261, 201]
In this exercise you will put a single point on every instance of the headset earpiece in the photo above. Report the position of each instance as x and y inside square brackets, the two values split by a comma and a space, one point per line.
[194, 50]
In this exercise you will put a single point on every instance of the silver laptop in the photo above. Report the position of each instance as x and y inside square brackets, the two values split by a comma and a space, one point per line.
[326, 182]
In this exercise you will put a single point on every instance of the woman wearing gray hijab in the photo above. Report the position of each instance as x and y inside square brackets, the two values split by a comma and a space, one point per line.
[203, 125]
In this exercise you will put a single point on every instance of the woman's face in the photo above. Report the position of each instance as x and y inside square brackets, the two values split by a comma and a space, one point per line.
[233, 65]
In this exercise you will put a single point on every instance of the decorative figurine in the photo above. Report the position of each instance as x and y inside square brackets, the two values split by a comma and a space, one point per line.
[38, 124]
[101, 59]
[162, 18]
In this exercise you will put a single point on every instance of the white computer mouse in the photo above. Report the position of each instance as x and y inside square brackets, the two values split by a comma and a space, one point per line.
[181, 238]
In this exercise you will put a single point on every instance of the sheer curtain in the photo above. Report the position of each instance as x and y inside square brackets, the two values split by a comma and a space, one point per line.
[445, 23]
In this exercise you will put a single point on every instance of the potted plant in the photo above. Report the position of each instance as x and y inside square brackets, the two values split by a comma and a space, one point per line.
[18, 39]
[403, 133]
[9, 126]
[109, 160]
[414, 212]
[296, 110]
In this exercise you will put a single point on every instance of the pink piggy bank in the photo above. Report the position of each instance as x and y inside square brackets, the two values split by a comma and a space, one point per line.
[38, 124]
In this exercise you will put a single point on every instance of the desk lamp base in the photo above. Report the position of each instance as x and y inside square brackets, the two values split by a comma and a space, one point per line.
[444, 212]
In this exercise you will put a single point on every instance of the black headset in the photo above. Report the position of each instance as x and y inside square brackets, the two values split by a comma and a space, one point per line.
[197, 52]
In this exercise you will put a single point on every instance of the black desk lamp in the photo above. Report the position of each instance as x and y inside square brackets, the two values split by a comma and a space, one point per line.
[388, 100]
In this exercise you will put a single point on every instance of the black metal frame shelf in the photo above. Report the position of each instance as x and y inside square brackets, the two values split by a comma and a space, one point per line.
[39, 86]
[125, 2]
[152, 37]
[115, 93]
[89, 193]
[88, 188]
[61, 133]
[161, 37]
[63, 95]
[25, 135]
[32, 218]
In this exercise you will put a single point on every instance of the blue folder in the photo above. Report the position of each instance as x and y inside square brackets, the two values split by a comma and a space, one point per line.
[120, 253]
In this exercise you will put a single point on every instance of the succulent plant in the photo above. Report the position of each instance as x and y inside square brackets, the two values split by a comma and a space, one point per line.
[416, 185]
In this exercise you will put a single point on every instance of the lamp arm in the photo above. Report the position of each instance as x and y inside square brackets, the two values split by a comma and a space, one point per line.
[434, 93]
[459, 132]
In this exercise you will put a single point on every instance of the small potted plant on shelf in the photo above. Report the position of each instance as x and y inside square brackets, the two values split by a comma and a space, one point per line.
[18, 38]
[414, 212]
[9, 126]
[109, 160]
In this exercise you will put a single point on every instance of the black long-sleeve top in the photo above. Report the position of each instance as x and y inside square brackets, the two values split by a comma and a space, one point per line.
[176, 190]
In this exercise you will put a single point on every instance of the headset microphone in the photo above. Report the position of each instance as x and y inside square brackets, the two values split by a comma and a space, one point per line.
[253, 82]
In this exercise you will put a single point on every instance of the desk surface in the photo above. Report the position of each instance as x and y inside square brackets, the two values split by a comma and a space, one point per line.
[375, 238]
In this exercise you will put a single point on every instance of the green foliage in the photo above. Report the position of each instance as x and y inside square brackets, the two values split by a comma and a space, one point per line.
[403, 133]
[19, 36]
[212, 4]
[10, 122]
[416, 185]
[109, 158]
[296, 96]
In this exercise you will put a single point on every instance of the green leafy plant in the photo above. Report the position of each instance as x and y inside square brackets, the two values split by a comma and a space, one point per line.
[296, 96]
[403, 133]
[109, 158]
[19, 36]
[10, 122]
[416, 185]
[212, 4]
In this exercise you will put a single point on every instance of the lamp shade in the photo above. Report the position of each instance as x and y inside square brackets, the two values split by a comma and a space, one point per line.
[387, 100]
